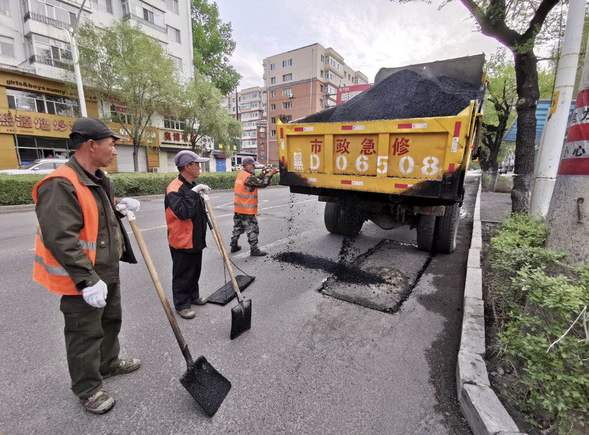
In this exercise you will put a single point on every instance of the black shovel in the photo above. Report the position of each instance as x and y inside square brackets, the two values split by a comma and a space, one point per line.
[241, 314]
[204, 383]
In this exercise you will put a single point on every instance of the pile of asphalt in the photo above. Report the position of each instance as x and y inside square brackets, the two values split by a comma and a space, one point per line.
[404, 94]
[342, 271]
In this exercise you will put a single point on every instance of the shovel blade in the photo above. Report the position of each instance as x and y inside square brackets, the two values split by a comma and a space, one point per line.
[241, 318]
[206, 385]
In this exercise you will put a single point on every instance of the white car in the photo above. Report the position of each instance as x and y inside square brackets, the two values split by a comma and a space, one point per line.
[41, 166]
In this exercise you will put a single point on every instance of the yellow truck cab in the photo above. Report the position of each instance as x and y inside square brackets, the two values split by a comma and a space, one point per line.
[402, 171]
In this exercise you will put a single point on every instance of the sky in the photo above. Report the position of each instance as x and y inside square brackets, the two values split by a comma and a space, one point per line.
[369, 34]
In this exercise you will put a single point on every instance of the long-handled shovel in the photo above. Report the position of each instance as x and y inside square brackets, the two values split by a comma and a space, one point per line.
[204, 383]
[241, 314]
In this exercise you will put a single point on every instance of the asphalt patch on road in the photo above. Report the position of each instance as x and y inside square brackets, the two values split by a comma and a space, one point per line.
[343, 272]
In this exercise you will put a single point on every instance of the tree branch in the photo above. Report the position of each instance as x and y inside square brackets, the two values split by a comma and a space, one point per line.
[490, 27]
[538, 19]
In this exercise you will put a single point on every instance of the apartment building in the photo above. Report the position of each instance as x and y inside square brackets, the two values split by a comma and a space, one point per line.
[249, 107]
[38, 101]
[303, 81]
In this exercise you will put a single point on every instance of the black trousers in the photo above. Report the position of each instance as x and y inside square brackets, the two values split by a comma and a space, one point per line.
[185, 275]
[91, 339]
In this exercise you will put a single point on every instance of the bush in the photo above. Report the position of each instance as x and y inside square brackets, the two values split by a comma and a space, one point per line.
[536, 298]
[16, 189]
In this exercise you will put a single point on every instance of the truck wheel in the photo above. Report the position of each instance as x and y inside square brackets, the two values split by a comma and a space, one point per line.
[447, 230]
[340, 220]
[425, 232]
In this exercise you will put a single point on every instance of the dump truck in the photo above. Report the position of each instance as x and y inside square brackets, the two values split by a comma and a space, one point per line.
[394, 155]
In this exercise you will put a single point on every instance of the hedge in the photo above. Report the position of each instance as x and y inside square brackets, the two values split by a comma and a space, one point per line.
[16, 189]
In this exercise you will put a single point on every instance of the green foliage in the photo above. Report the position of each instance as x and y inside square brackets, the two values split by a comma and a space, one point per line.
[126, 67]
[213, 45]
[534, 305]
[16, 189]
[200, 105]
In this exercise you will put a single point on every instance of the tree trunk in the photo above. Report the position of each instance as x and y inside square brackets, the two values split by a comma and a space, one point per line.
[526, 75]
[489, 180]
[135, 156]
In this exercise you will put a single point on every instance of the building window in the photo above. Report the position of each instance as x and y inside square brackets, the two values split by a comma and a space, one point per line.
[287, 92]
[273, 94]
[119, 114]
[321, 88]
[272, 80]
[51, 52]
[321, 73]
[272, 106]
[286, 62]
[4, 8]
[287, 105]
[287, 77]
[42, 103]
[125, 5]
[273, 133]
[273, 120]
[6, 46]
[172, 5]
[174, 124]
[272, 66]
[109, 6]
[148, 16]
[174, 34]
[322, 59]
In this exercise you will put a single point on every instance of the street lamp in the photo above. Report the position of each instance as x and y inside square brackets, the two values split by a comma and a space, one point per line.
[72, 34]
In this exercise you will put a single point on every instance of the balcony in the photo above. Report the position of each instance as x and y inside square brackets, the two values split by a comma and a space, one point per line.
[130, 15]
[46, 20]
[51, 62]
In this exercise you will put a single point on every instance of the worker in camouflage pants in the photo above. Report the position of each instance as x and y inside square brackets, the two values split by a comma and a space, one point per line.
[246, 204]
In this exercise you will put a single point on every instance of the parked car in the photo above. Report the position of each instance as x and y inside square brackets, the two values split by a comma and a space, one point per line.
[41, 166]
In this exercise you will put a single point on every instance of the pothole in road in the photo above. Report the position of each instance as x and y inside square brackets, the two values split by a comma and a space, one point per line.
[380, 279]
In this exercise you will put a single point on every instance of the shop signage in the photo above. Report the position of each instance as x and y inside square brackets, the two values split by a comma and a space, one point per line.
[33, 124]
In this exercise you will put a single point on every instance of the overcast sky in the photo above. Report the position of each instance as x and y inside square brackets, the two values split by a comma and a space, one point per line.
[369, 34]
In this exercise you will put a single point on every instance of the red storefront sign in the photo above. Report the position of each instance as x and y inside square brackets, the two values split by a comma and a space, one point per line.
[346, 93]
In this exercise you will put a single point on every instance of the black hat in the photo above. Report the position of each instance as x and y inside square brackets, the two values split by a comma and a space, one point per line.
[91, 128]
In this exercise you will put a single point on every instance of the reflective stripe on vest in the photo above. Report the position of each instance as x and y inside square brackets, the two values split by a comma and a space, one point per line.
[180, 231]
[47, 271]
[244, 200]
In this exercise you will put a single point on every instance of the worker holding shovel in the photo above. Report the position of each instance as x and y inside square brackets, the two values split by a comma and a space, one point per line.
[187, 225]
[246, 188]
[78, 246]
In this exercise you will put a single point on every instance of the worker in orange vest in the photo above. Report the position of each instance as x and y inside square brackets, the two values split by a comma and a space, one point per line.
[78, 246]
[246, 205]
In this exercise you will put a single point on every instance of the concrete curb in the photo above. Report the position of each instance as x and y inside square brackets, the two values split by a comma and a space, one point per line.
[28, 207]
[481, 407]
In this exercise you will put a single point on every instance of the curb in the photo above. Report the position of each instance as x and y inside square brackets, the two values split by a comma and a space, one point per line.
[481, 407]
[4, 209]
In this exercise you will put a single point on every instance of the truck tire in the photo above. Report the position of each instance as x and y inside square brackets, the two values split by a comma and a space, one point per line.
[447, 230]
[340, 220]
[426, 226]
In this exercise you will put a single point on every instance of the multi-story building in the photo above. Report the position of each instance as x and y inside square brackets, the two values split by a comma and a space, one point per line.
[38, 101]
[303, 81]
[249, 107]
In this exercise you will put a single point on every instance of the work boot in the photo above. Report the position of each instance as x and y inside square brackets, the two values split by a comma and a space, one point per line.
[187, 313]
[99, 403]
[123, 367]
[199, 301]
[235, 248]
[256, 252]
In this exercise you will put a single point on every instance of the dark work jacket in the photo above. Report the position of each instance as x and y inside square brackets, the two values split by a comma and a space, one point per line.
[188, 205]
[60, 220]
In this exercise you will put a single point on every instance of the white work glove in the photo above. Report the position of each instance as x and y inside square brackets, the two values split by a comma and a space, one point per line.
[128, 204]
[95, 295]
[201, 189]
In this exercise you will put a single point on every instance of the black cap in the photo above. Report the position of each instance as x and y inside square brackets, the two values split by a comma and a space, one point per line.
[91, 128]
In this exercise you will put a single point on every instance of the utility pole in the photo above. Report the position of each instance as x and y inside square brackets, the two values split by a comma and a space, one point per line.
[552, 139]
[568, 215]
[72, 34]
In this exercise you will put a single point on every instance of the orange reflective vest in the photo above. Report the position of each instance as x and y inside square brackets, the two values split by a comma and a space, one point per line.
[179, 230]
[47, 271]
[245, 201]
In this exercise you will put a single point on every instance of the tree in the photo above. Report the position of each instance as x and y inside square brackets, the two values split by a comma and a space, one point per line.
[200, 105]
[498, 111]
[130, 69]
[212, 46]
[517, 25]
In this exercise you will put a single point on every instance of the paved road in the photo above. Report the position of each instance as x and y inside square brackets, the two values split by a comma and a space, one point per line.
[310, 364]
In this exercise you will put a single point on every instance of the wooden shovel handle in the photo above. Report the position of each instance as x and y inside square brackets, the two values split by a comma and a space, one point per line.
[158, 288]
[219, 241]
